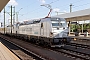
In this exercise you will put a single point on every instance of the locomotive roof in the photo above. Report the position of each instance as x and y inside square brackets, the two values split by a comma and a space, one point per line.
[30, 22]
[34, 21]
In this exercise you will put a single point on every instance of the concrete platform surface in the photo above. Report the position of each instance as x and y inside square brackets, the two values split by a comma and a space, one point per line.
[6, 54]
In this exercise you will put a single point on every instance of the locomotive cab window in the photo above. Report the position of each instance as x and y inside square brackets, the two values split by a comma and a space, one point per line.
[62, 24]
[41, 25]
[55, 24]
[58, 22]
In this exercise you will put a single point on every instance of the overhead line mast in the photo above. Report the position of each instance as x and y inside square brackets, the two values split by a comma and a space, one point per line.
[71, 7]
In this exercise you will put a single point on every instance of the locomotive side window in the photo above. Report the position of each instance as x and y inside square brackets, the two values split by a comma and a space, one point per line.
[41, 25]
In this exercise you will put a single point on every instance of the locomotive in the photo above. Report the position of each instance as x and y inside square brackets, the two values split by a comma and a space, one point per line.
[51, 31]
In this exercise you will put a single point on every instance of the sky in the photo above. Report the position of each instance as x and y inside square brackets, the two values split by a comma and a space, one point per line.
[32, 9]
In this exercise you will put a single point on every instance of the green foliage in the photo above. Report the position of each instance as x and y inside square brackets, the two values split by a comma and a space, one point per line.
[88, 26]
[79, 26]
[74, 27]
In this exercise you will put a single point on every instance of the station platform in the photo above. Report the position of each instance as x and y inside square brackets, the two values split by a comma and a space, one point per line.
[6, 54]
[82, 36]
[81, 39]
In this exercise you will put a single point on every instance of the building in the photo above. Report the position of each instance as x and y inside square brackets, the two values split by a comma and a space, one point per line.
[77, 16]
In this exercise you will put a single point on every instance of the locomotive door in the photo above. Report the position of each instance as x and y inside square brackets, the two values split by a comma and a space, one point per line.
[42, 30]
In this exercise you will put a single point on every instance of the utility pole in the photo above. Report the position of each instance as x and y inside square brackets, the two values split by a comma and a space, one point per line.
[4, 21]
[69, 27]
[69, 21]
[11, 19]
[17, 17]
[17, 13]
[14, 15]
[71, 8]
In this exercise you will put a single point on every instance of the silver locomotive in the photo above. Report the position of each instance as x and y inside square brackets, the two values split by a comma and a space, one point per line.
[52, 31]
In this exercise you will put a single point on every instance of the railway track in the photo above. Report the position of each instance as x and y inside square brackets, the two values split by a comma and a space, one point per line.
[22, 54]
[68, 51]
[79, 45]
[73, 52]
[76, 50]
[78, 53]
[41, 53]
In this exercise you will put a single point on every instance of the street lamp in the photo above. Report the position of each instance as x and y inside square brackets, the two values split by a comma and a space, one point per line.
[49, 7]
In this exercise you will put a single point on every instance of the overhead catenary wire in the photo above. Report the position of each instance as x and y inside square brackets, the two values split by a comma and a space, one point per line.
[81, 5]
[39, 8]
[54, 1]
[68, 4]
[60, 6]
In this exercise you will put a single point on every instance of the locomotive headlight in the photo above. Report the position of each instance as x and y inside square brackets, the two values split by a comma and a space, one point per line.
[51, 34]
[64, 39]
[75, 39]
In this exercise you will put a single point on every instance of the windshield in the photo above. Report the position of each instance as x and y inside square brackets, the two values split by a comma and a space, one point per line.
[57, 22]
